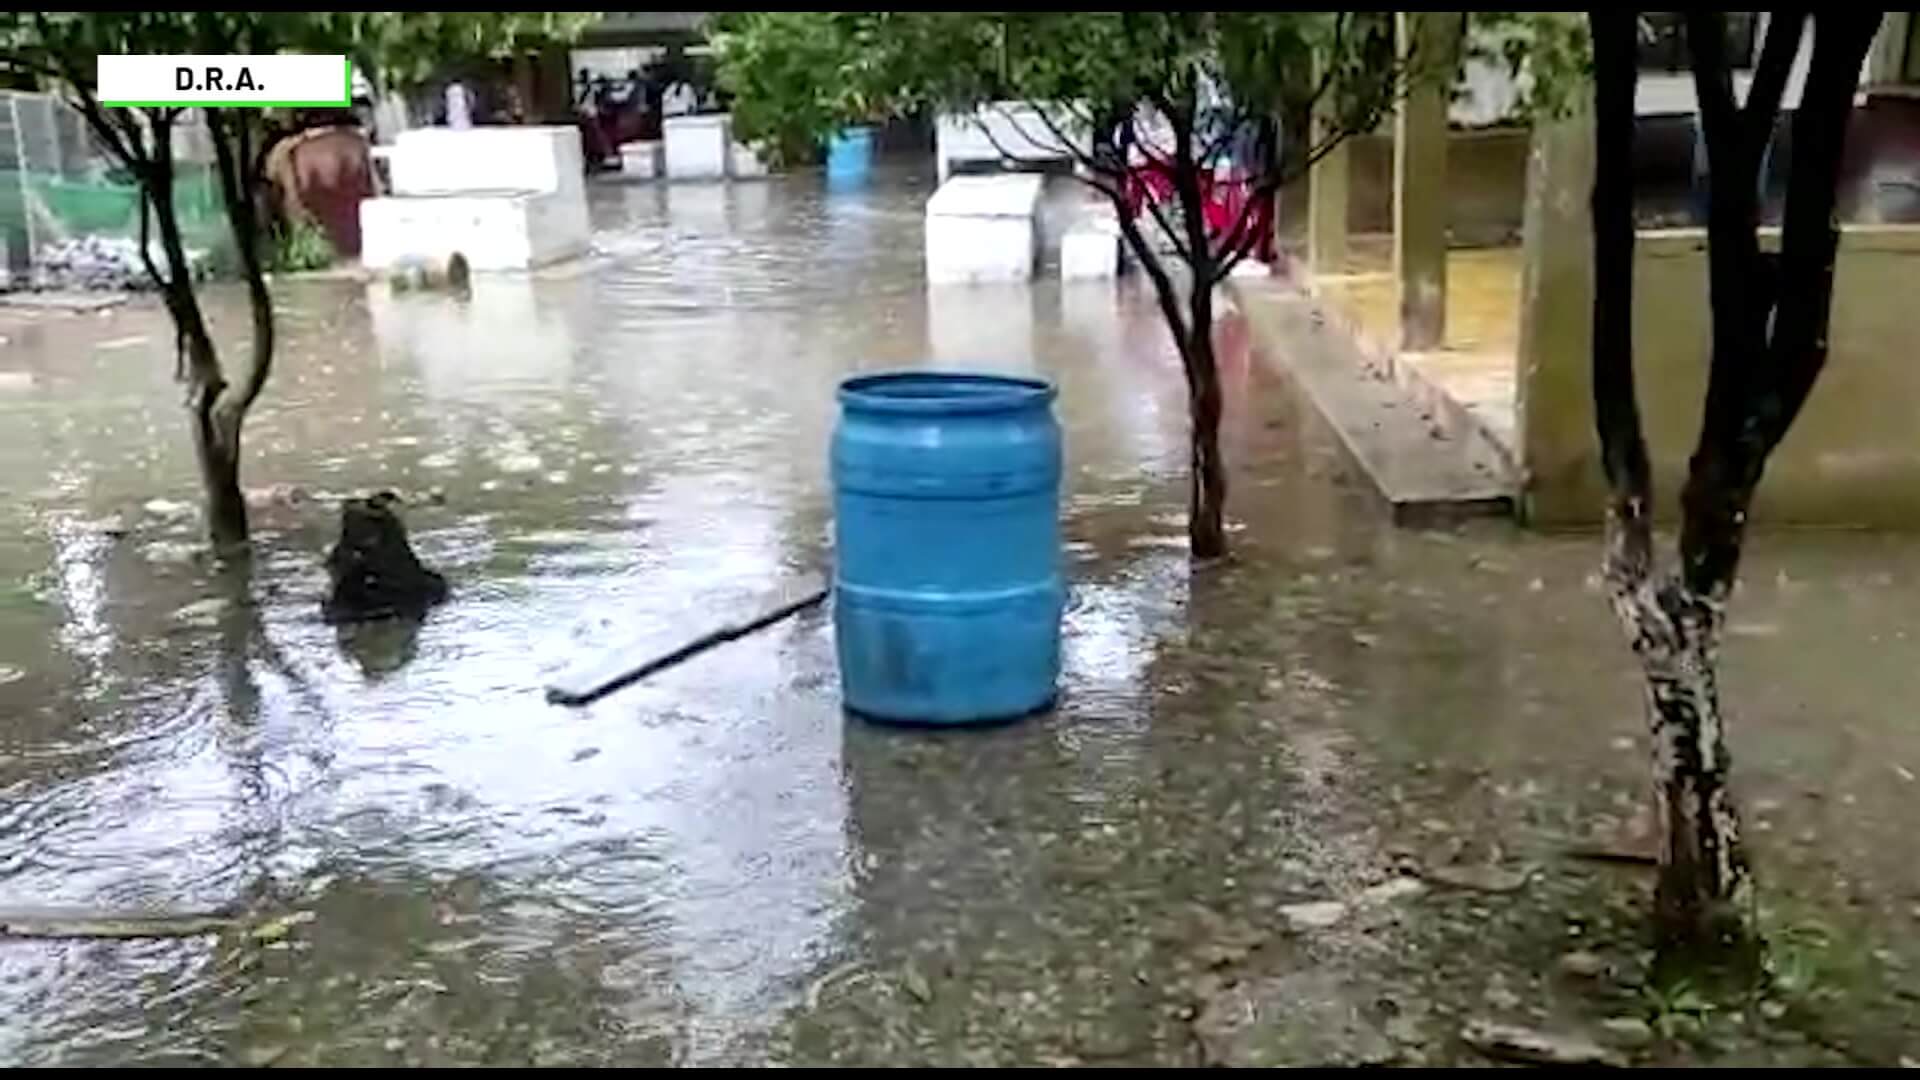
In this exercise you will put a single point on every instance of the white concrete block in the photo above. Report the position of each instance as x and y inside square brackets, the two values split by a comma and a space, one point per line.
[644, 159]
[1017, 127]
[1088, 251]
[435, 161]
[495, 231]
[746, 163]
[698, 147]
[981, 228]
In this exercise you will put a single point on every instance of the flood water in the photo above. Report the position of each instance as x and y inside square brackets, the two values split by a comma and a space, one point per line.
[716, 866]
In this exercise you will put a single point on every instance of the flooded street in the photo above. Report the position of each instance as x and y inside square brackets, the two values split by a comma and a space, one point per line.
[715, 866]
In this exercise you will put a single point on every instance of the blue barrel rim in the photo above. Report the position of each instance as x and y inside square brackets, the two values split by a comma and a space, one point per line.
[978, 392]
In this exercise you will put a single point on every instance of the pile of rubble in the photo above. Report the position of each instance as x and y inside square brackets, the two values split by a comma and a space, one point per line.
[98, 264]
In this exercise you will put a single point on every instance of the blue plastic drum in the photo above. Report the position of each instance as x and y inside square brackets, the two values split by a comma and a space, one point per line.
[850, 155]
[947, 589]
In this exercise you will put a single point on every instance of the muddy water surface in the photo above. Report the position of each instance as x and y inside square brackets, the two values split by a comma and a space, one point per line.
[717, 867]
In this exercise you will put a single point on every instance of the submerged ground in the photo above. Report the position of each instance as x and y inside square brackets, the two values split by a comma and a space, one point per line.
[1328, 803]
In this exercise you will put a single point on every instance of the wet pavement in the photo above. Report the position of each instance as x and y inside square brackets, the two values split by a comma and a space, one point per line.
[717, 867]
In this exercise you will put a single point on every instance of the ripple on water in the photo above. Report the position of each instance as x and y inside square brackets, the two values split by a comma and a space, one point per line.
[651, 879]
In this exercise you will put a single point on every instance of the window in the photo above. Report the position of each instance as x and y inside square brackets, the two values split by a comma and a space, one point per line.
[1663, 40]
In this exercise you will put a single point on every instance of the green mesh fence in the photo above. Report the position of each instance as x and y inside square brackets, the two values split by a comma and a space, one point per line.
[62, 208]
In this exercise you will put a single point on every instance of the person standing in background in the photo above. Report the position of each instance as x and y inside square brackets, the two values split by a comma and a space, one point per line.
[459, 106]
[680, 99]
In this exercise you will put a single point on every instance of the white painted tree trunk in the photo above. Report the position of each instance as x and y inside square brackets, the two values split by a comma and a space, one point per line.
[1675, 634]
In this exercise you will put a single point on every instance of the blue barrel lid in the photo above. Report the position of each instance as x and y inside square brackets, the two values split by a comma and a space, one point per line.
[947, 393]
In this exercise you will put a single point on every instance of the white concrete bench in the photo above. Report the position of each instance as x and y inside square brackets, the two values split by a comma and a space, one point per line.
[698, 147]
[746, 163]
[981, 228]
[643, 159]
[502, 230]
[1091, 246]
[507, 198]
[435, 161]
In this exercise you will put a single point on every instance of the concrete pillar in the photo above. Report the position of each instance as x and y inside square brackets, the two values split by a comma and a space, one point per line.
[1555, 356]
[1898, 34]
[1327, 200]
[1420, 176]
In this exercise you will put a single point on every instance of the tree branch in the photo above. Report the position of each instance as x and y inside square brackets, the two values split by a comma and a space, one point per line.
[1237, 244]
[1234, 248]
[1713, 89]
[1186, 184]
[201, 368]
[146, 254]
[1221, 141]
[1335, 59]
[1623, 446]
[1066, 147]
[1735, 270]
[1770, 317]
[120, 141]
[1163, 288]
[1784, 30]
[1797, 347]
[1147, 201]
[230, 145]
[1167, 228]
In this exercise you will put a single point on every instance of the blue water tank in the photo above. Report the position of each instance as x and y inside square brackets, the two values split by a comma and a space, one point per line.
[947, 585]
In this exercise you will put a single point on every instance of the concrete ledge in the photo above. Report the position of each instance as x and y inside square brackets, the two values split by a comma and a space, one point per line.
[1423, 474]
[1854, 240]
[1456, 406]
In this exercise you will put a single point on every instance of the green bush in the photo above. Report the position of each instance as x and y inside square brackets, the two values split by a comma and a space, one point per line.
[301, 245]
[788, 75]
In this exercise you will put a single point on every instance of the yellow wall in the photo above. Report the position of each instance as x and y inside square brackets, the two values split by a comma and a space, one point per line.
[1853, 457]
[1486, 180]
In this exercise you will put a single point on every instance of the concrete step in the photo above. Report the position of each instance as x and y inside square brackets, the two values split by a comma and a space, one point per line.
[1427, 466]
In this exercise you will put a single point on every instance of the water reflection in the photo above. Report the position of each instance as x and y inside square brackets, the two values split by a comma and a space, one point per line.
[713, 866]
[615, 459]
[381, 647]
[985, 326]
[501, 346]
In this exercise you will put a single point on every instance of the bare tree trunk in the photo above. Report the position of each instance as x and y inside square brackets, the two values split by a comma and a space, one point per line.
[220, 409]
[215, 439]
[1704, 882]
[1207, 484]
[1674, 631]
[1207, 479]
[143, 142]
[1769, 344]
[216, 447]
[1191, 325]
